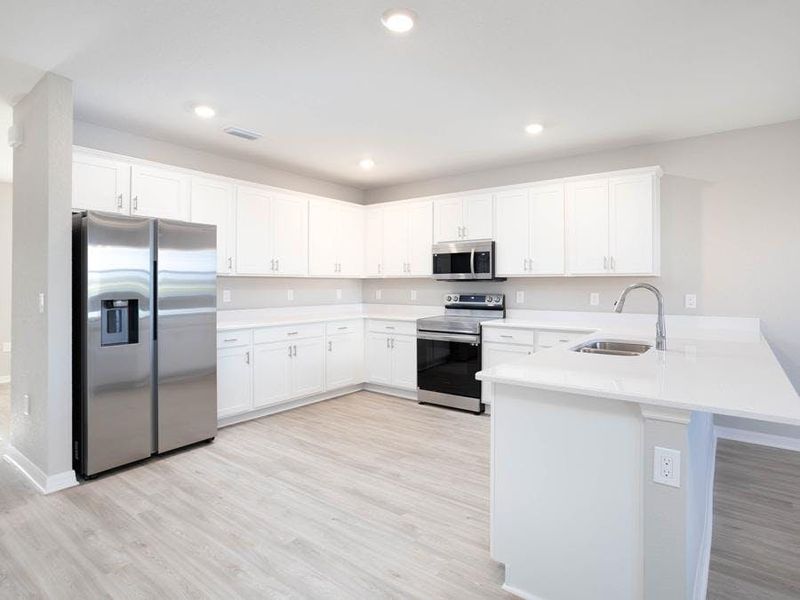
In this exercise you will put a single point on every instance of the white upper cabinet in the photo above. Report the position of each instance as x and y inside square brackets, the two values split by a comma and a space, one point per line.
[212, 203]
[336, 239]
[401, 246]
[613, 225]
[547, 230]
[587, 226]
[467, 217]
[373, 242]
[634, 225]
[157, 192]
[513, 230]
[100, 183]
[290, 235]
[272, 233]
[253, 227]
[530, 231]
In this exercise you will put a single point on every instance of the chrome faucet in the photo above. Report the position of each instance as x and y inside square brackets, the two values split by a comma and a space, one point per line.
[661, 333]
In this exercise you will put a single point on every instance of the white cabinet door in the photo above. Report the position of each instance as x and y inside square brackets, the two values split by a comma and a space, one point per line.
[547, 230]
[378, 359]
[161, 193]
[350, 241]
[100, 183]
[290, 235]
[323, 239]
[373, 242]
[234, 381]
[587, 226]
[420, 239]
[308, 367]
[404, 361]
[212, 203]
[395, 240]
[447, 219]
[271, 373]
[632, 224]
[478, 216]
[344, 360]
[513, 227]
[253, 232]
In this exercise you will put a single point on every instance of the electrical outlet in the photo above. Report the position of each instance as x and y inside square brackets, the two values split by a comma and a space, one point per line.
[290, 295]
[338, 293]
[226, 295]
[594, 298]
[667, 466]
[26, 404]
[378, 294]
[6, 347]
[691, 301]
[413, 294]
[520, 297]
[41, 303]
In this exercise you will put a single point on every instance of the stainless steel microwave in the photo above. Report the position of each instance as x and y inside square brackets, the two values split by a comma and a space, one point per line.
[460, 261]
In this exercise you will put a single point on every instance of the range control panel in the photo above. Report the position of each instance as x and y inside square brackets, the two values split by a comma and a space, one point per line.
[495, 301]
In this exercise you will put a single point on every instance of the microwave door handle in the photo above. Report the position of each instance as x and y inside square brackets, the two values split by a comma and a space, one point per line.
[472, 262]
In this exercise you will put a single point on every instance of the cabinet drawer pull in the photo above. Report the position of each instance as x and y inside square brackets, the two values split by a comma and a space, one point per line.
[292, 333]
[511, 337]
[390, 327]
[231, 340]
[342, 327]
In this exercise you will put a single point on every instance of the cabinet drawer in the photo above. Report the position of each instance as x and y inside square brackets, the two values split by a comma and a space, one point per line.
[550, 339]
[508, 336]
[339, 327]
[231, 339]
[288, 332]
[399, 327]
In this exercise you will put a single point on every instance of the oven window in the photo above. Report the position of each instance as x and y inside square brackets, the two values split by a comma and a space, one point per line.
[451, 263]
[449, 367]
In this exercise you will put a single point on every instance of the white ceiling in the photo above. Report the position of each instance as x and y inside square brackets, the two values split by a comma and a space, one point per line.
[327, 85]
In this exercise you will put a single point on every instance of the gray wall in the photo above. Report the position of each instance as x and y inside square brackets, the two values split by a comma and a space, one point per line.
[41, 359]
[730, 214]
[265, 292]
[5, 277]
[90, 135]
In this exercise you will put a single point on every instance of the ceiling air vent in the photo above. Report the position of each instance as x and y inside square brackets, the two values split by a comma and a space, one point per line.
[242, 133]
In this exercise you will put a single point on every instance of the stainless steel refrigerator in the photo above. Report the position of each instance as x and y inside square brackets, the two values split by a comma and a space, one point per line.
[144, 338]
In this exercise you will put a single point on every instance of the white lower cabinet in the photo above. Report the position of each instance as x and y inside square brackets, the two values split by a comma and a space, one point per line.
[286, 370]
[308, 367]
[392, 360]
[495, 353]
[344, 360]
[234, 380]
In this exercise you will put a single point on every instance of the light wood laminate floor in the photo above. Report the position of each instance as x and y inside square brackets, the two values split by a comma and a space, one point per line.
[360, 497]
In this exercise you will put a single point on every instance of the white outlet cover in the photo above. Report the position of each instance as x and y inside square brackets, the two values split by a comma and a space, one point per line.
[413, 294]
[226, 295]
[338, 293]
[26, 404]
[594, 298]
[290, 295]
[378, 294]
[520, 297]
[6, 347]
[690, 301]
[41, 303]
[667, 466]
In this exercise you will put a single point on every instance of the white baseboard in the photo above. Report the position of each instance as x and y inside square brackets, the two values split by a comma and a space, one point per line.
[520, 594]
[759, 438]
[5, 379]
[47, 484]
[700, 587]
[298, 402]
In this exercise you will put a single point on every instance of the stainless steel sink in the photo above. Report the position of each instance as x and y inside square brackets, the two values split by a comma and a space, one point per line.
[612, 347]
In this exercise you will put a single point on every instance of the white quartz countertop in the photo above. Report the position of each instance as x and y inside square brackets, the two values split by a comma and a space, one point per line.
[713, 367]
[254, 319]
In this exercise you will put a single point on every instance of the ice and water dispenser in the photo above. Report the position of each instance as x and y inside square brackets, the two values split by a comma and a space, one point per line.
[119, 322]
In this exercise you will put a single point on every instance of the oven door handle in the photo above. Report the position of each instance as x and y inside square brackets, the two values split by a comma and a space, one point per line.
[472, 262]
[465, 338]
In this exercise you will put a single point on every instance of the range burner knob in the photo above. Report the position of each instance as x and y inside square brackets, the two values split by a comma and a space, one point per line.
[489, 300]
[449, 299]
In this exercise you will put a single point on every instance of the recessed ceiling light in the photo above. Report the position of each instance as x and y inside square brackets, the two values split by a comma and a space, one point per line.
[399, 20]
[204, 112]
[534, 128]
[366, 163]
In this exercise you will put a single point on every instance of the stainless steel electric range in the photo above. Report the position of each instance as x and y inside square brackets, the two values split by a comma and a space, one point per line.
[449, 351]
